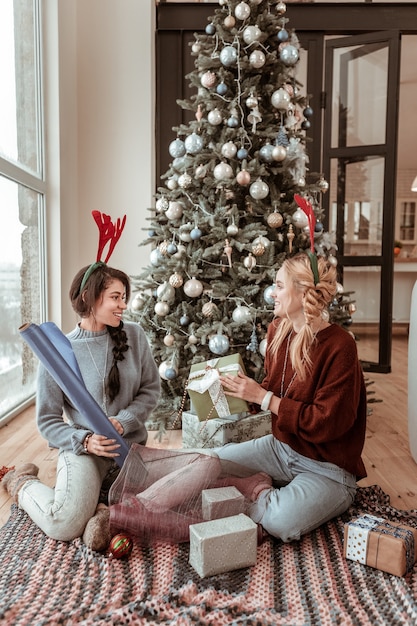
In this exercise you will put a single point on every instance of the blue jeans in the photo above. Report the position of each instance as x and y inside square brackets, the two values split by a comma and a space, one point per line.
[63, 512]
[306, 493]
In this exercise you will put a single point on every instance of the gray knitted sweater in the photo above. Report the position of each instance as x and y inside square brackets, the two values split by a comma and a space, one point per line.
[63, 426]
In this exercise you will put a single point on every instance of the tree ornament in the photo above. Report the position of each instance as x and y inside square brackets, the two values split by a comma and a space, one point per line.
[218, 344]
[169, 340]
[282, 35]
[299, 218]
[172, 183]
[161, 309]
[258, 249]
[262, 347]
[193, 288]
[306, 124]
[281, 8]
[172, 248]
[325, 315]
[268, 294]
[174, 211]
[214, 117]
[210, 29]
[280, 99]
[265, 153]
[289, 55]
[259, 189]
[181, 250]
[138, 302]
[184, 320]
[208, 79]
[232, 229]
[279, 153]
[192, 339]
[208, 309]
[251, 101]
[233, 121]
[184, 232]
[176, 280]
[185, 181]
[323, 185]
[229, 149]
[162, 369]
[253, 345]
[199, 113]
[229, 21]
[308, 112]
[228, 252]
[242, 153]
[120, 546]
[201, 171]
[166, 292]
[282, 138]
[228, 56]
[221, 89]
[257, 59]
[243, 178]
[254, 118]
[339, 288]
[171, 373]
[332, 260]
[223, 171]
[275, 220]
[251, 34]
[290, 237]
[242, 11]
[242, 314]
[193, 143]
[196, 47]
[161, 204]
[176, 148]
[155, 257]
[249, 262]
[195, 234]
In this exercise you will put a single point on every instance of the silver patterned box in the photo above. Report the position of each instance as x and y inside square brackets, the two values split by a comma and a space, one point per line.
[217, 432]
[222, 502]
[223, 545]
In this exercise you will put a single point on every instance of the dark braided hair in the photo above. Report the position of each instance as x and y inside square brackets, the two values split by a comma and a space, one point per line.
[83, 303]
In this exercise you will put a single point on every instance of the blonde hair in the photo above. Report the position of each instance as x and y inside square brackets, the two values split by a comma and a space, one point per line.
[316, 299]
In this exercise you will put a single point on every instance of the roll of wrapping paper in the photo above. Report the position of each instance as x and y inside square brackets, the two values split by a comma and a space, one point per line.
[54, 351]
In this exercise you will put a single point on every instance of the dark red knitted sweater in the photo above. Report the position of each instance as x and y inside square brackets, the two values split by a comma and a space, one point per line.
[324, 416]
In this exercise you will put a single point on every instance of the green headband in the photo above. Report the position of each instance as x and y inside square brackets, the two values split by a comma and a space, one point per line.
[88, 273]
[314, 266]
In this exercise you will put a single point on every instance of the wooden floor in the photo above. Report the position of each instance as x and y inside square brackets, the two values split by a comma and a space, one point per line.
[386, 455]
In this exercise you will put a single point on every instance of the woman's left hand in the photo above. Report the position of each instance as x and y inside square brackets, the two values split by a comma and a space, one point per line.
[242, 386]
[117, 425]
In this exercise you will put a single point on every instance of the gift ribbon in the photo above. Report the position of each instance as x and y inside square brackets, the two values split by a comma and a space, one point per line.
[211, 383]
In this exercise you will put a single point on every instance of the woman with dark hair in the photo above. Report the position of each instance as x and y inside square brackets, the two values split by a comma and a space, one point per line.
[120, 373]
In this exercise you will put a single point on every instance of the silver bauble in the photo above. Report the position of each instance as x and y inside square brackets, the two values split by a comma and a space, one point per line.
[279, 153]
[289, 55]
[138, 302]
[161, 204]
[262, 347]
[201, 171]
[169, 340]
[299, 218]
[193, 143]
[219, 344]
[268, 294]
[176, 148]
[280, 99]
[172, 183]
[232, 230]
[223, 171]
[257, 59]
[193, 288]
[161, 309]
[264, 241]
[174, 211]
[229, 149]
[166, 292]
[266, 152]
[242, 11]
[228, 56]
[251, 101]
[251, 34]
[185, 181]
[249, 262]
[155, 257]
[242, 315]
[215, 117]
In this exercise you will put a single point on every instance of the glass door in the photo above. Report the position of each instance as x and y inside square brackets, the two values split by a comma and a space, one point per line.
[359, 160]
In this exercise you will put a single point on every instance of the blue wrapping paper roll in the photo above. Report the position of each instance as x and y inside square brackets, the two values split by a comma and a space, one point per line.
[54, 351]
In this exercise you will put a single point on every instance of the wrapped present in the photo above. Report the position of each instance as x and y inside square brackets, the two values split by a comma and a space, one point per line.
[223, 545]
[384, 545]
[217, 432]
[206, 392]
[222, 502]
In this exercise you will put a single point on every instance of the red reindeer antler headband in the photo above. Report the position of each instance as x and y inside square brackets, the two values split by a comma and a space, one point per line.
[306, 206]
[109, 233]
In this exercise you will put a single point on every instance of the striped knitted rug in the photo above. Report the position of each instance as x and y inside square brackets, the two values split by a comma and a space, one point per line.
[45, 582]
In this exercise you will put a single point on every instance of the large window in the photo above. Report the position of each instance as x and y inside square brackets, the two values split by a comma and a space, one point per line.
[22, 189]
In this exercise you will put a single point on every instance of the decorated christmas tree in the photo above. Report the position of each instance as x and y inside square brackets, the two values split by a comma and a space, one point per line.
[231, 205]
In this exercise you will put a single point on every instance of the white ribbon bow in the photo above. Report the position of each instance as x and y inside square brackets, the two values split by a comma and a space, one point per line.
[211, 383]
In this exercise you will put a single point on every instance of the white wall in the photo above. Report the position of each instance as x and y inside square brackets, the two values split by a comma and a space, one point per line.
[106, 144]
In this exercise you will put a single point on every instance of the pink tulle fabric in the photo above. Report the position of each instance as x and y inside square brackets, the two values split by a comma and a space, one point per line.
[157, 494]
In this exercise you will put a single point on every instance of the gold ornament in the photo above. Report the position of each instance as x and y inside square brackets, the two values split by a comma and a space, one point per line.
[258, 249]
[199, 113]
[275, 219]
[208, 309]
[163, 247]
[290, 237]
[249, 262]
[176, 280]
[228, 252]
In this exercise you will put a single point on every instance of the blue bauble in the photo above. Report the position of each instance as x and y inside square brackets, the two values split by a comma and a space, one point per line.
[221, 89]
[210, 29]
[184, 320]
[242, 153]
[195, 234]
[289, 55]
[151, 233]
[228, 56]
[283, 35]
[219, 344]
[233, 122]
[308, 112]
[193, 143]
[268, 294]
[266, 153]
[318, 228]
[170, 373]
[172, 248]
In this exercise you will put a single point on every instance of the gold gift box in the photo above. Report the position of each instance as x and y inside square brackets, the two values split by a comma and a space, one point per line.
[381, 544]
[202, 403]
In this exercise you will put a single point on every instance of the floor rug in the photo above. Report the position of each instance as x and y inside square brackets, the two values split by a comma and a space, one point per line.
[308, 583]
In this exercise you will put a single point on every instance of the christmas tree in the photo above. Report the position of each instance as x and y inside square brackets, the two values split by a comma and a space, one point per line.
[226, 216]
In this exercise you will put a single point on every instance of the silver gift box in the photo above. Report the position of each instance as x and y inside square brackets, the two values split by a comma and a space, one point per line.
[222, 502]
[223, 545]
[219, 431]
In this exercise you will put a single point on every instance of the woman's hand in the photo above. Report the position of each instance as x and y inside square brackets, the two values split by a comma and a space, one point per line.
[102, 446]
[242, 386]
[117, 425]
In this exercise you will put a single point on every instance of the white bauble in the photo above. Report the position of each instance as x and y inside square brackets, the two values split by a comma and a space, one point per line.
[219, 344]
[229, 149]
[155, 257]
[193, 288]
[257, 59]
[176, 148]
[228, 56]
[172, 183]
[169, 340]
[262, 347]
[279, 153]
[252, 34]
[166, 292]
[138, 302]
[223, 171]
[161, 204]
[289, 55]
[161, 309]
[299, 218]
[215, 117]
[242, 11]
[242, 315]
[280, 99]
[174, 211]
[193, 143]
[268, 294]
[232, 230]
[259, 189]
[208, 79]
[185, 181]
[192, 339]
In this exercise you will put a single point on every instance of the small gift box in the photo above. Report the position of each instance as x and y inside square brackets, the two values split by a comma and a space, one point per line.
[223, 545]
[384, 545]
[222, 502]
[217, 432]
[206, 392]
